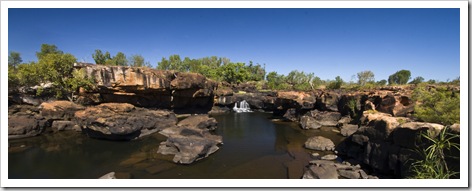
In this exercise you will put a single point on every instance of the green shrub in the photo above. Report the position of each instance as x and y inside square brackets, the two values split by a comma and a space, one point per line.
[437, 104]
[432, 164]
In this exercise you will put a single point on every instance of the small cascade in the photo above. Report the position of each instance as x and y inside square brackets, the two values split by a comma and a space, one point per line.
[243, 107]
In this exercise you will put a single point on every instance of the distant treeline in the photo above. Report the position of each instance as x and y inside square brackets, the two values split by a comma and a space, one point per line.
[55, 66]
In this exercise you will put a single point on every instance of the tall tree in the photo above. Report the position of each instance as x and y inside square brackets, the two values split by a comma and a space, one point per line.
[48, 49]
[365, 77]
[120, 59]
[101, 58]
[417, 80]
[14, 59]
[137, 61]
[399, 77]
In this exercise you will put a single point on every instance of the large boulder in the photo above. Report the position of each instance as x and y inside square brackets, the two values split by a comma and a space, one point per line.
[191, 139]
[122, 121]
[189, 148]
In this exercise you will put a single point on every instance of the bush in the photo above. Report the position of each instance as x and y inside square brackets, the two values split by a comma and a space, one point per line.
[437, 104]
[432, 164]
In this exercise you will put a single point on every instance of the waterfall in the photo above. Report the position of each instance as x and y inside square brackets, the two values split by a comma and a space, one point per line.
[243, 107]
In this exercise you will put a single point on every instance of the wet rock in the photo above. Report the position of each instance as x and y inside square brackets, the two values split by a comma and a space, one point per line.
[349, 174]
[122, 121]
[319, 143]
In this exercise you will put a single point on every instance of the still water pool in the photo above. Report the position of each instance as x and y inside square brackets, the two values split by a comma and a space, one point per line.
[254, 148]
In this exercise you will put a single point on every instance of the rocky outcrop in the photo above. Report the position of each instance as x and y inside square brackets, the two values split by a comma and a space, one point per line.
[25, 121]
[122, 121]
[191, 139]
[145, 87]
[385, 143]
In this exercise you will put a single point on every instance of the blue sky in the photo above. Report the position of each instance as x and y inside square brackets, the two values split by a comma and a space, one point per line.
[328, 42]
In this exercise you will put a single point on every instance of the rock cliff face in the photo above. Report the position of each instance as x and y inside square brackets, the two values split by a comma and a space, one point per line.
[145, 87]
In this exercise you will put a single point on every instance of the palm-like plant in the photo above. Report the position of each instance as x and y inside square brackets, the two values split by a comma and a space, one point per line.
[433, 164]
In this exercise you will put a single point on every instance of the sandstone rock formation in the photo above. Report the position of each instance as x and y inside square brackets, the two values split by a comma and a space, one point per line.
[145, 87]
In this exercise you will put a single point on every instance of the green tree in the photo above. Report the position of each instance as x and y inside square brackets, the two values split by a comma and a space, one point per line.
[138, 61]
[14, 59]
[120, 59]
[382, 82]
[101, 58]
[276, 81]
[54, 67]
[417, 80]
[57, 69]
[336, 84]
[234, 73]
[365, 77]
[48, 49]
[399, 77]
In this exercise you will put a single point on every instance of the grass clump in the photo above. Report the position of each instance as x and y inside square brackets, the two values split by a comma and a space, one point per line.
[432, 164]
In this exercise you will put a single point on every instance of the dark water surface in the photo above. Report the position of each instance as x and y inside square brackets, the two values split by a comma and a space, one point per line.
[254, 147]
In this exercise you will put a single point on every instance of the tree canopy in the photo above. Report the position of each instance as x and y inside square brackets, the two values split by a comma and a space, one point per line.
[399, 77]
[365, 77]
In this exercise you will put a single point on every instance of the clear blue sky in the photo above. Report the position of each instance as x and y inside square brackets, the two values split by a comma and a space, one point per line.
[327, 42]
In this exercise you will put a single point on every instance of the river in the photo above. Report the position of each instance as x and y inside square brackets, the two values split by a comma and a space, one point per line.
[255, 147]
